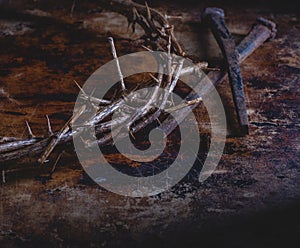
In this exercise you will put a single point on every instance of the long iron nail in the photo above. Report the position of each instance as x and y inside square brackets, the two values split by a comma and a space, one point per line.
[215, 18]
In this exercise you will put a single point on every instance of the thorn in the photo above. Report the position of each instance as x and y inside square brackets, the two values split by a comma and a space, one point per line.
[72, 8]
[131, 133]
[154, 78]
[50, 133]
[56, 162]
[115, 56]
[159, 122]
[167, 17]
[147, 48]
[30, 134]
[148, 10]
[136, 13]
[212, 69]
[55, 140]
[90, 99]
[161, 32]
[82, 91]
[91, 95]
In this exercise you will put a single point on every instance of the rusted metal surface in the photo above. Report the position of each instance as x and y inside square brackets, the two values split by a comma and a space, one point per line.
[263, 30]
[215, 17]
[257, 172]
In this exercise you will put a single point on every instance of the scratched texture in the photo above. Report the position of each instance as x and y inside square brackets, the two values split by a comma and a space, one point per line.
[250, 201]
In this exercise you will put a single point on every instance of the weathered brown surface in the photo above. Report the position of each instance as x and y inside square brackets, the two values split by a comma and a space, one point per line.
[41, 57]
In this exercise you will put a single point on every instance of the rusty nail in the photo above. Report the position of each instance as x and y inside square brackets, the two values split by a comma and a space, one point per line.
[215, 18]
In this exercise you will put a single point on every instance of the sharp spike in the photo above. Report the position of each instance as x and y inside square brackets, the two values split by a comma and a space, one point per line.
[148, 10]
[30, 134]
[147, 48]
[91, 95]
[115, 56]
[50, 132]
[136, 13]
[56, 162]
[77, 84]
[154, 78]
[131, 133]
[90, 98]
